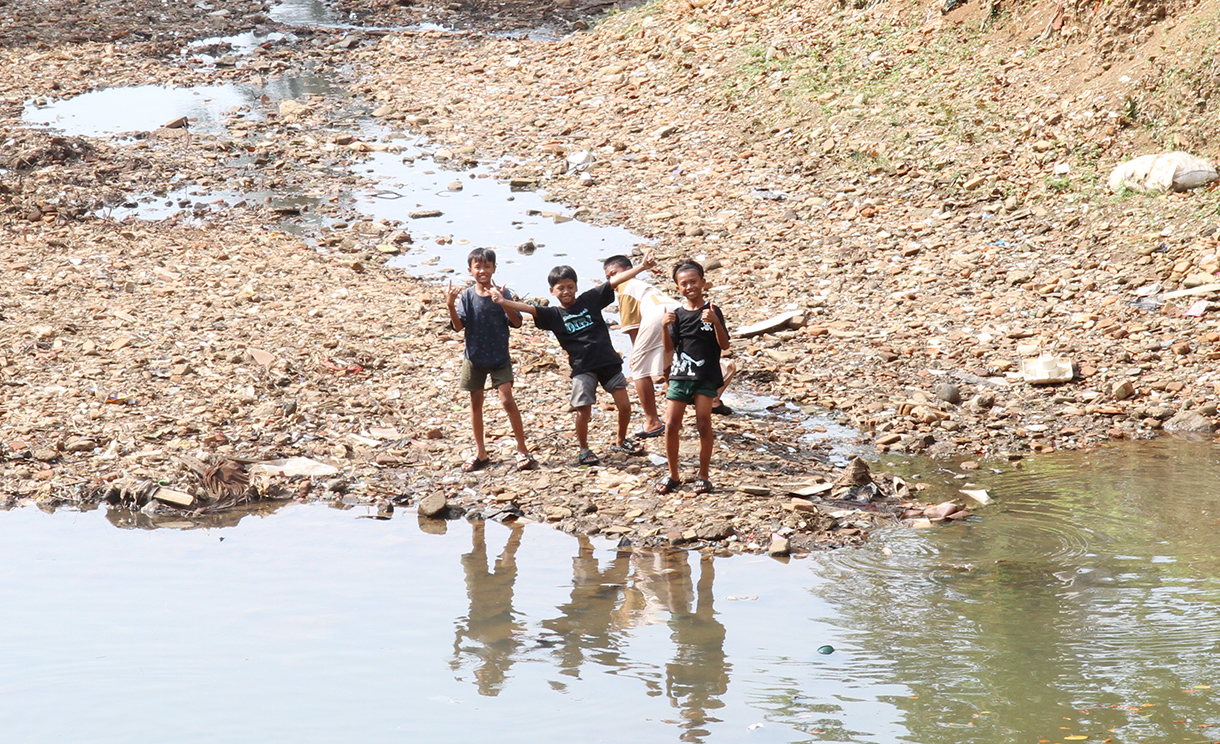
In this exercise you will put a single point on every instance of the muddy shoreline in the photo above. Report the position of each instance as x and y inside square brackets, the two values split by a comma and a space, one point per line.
[267, 328]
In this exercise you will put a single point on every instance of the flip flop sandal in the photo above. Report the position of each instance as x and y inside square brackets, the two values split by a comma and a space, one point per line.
[641, 434]
[703, 486]
[587, 457]
[525, 462]
[629, 446]
[667, 485]
[475, 463]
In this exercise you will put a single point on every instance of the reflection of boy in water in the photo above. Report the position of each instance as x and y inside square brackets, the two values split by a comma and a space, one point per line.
[698, 674]
[491, 622]
[587, 621]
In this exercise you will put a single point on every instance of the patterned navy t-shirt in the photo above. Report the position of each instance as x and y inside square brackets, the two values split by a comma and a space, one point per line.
[486, 329]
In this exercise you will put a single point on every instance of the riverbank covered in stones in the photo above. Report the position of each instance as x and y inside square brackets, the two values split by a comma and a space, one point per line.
[928, 196]
[918, 261]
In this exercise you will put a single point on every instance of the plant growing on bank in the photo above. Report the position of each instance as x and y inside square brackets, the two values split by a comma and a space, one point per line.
[1058, 184]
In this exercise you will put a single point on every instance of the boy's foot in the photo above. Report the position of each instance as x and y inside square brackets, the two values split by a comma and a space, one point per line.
[641, 434]
[475, 463]
[629, 446]
[525, 461]
[721, 409]
[667, 485]
[586, 457]
[703, 486]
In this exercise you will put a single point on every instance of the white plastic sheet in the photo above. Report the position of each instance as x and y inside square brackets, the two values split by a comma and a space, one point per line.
[1169, 171]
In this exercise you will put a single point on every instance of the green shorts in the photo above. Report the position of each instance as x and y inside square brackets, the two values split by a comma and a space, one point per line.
[474, 378]
[684, 391]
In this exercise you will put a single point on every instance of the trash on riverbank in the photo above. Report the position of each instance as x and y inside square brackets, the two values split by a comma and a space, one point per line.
[1154, 174]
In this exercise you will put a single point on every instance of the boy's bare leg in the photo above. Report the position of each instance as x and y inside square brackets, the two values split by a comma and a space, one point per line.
[583, 414]
[703, 424]
[673, 426]
[623, 403]
[514, 416]
[476, 423]
[646, 391]
[727, 370]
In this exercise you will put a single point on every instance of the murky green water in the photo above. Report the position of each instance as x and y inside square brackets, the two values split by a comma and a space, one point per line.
[1084, 603]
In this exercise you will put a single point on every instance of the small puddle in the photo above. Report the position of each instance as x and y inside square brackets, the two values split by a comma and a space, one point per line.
[208, 51]
[823, 429]
[144, 108]
[529, 234]
[303, 13]
[150, 206]
[299, 214]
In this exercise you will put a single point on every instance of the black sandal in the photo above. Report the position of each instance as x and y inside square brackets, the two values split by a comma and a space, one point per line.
[703, 486]
[475, 464]
[667, 485]
[587, 457]
[629, 446]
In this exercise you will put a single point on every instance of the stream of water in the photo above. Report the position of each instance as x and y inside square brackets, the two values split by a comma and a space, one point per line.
[1084, 602]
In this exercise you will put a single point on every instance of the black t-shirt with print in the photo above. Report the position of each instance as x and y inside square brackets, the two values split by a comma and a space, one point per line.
[581, 330]
[696, 350]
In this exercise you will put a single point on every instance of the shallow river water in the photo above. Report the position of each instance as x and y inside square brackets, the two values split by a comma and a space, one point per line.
[1084, 602]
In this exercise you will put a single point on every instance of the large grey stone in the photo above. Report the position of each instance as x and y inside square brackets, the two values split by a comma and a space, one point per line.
[433, 506]
[1189, 421]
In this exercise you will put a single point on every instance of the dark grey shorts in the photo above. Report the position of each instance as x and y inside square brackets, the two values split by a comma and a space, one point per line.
[584, 385]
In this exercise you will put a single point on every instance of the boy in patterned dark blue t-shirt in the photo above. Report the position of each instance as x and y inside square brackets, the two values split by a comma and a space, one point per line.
[486, 324]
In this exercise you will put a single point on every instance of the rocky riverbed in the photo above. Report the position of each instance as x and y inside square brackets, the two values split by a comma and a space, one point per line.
[920, 196]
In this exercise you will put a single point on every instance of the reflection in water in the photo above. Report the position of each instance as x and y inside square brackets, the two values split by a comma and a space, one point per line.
[491, 627]
[699, 673]
[1089, 594]
[606, 602]
[588, 623]
[1084, 602]
[169, 519]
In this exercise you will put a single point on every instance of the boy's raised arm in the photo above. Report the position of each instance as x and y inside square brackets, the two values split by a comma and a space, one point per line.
[649, 262]
[514, 317]
[451, 295]
[711, 316]
[511, 306]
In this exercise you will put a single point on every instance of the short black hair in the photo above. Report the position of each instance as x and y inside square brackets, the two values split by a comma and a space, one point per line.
[620, 261]
[687, 265]
[481, 254]
[559, 273]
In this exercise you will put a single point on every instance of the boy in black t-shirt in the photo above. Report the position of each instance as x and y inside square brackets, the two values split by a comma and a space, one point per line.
[697, 335]
[580, 329]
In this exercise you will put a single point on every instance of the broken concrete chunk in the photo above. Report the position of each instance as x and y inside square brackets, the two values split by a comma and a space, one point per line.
[174, 498]
[979, 495]
[1047, 370]
[769, 325]
[293, 466]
